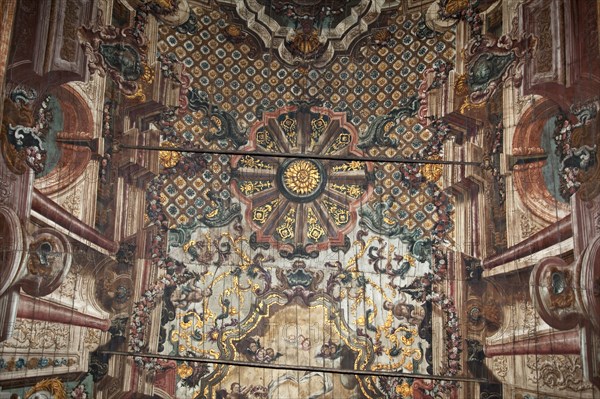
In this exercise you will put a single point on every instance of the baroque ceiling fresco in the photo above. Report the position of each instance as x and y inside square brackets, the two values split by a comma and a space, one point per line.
[300, 172]
[307, 254]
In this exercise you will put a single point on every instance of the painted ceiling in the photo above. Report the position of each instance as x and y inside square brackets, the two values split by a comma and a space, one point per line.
[283, 258]
[302, 198]
[306, 230]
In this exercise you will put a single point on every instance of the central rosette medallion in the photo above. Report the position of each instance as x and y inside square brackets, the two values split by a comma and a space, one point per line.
[298, 204]
[301, 180]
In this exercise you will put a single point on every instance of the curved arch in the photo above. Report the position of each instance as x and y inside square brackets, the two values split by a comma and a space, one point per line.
[78, 125]
[528, 178]
[78, 118]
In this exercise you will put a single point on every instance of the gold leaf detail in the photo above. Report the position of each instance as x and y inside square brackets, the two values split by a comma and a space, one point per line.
[301, 177]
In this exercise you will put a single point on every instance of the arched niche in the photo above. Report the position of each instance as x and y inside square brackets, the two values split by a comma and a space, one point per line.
[536, 182]
[69, 143]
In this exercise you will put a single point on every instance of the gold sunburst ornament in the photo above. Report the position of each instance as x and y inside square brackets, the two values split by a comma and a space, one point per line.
[301, 177]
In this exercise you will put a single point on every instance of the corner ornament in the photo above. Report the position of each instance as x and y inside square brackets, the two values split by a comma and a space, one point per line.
[491, 62]
[120, 53]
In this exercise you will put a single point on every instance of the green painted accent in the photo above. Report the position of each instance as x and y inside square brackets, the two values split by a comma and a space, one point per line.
[56, 126]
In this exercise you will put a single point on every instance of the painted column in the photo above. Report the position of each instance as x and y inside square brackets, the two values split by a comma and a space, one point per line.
[55, 213]
[39, 309]
[545, 238]
[563, 342]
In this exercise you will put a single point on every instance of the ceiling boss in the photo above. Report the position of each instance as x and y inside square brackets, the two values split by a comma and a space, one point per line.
[302, 180]
[302, 205]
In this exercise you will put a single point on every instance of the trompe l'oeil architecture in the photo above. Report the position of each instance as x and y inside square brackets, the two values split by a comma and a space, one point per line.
[300, 199]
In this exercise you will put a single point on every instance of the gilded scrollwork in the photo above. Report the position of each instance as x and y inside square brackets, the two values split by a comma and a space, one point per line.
[339, 214]
[285, 229]
[500, 367]
[68, 286]
[243, 309]
[72, 202]
[39, 335]
[250, 187]
[92, 338]
[248, 161]
[562, 372]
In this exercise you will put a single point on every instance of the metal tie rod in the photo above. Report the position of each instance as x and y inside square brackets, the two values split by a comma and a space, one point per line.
[291, 367]
[302, 156]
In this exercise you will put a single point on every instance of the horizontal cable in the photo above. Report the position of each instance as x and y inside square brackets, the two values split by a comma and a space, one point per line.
[291, 367]
[296, 156]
